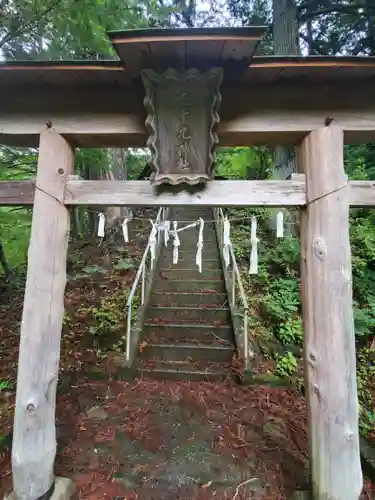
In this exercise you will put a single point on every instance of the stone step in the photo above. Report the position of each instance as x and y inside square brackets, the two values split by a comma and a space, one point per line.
[177, 286]
[188, 315]
[187, 352]
[191, 213]
[160, 370]
[189, 263]
[176, 333]
[189, 299]
[189, 244]
[189, 252]
[208, 230]
[193, 233]
[184, 220]
[190, 274]
[209, 225]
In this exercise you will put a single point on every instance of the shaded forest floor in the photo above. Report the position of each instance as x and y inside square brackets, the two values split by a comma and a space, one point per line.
[143, 439]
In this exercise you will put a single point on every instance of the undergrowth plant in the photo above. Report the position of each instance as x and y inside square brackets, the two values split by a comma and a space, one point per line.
[366, 382]
[283, 299]
[286, 366]
[4, 385]
[108, 319]
[291, 332]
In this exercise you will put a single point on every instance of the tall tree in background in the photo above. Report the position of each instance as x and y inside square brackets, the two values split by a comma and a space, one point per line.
[286, 43]
[285, 27]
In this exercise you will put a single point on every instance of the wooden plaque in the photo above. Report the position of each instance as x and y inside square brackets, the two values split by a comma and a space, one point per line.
[182, 119]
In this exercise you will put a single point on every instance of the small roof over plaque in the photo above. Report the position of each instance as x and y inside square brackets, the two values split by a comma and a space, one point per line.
[182, 49]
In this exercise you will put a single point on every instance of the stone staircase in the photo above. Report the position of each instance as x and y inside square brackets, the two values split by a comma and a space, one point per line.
[187, 332]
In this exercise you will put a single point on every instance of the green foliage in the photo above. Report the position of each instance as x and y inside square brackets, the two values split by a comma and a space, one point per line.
[291, 332]
[285, 256]
[93, 270]
[123, 265]
[366, 381]
[286, 365]
[108, 317]
[283, 299]
[364, 319]
[4, 385]
[65, 29]
[243, 163]
[15, 224]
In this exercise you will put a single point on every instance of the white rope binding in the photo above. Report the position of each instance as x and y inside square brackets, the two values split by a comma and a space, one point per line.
[176, 243]
[226, 241]
[167, 228]
[254, 247]
[152, 241]
[198, 258]
[101, 225]
[280, 225]
[125, 231]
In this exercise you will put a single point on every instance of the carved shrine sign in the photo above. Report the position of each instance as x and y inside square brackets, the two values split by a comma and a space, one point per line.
[182, 118]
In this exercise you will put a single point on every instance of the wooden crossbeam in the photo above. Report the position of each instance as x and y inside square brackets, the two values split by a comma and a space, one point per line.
[15, 193]
[99, 130]
[216, 193]
[111, 116]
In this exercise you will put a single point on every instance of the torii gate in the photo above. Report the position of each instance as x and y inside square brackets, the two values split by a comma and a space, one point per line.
[314, 103]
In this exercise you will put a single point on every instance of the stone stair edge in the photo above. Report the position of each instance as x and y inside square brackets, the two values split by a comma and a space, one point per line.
[189, 293]
[189, 325]
[203, 347]
[189, 308]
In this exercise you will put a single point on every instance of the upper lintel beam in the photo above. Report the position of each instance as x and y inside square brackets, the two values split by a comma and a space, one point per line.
[114, 116]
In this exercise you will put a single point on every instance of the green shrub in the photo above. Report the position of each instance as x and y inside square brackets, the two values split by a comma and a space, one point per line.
[4, 385]
[286, 365]
[283, 299]
[291, 332]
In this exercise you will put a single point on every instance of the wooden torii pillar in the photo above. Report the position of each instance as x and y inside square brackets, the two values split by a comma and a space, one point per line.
[330, 355]
[34, 437]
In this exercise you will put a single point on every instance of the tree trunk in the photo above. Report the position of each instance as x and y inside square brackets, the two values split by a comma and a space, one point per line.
[285, 28]
[286, 42]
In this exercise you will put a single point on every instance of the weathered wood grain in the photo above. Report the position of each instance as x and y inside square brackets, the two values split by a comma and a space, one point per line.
[326, 283]
[34, 439]
[215, 193]
[362, 193]
[182, 120]
[125, 130]
[17, 193]
[114, 116]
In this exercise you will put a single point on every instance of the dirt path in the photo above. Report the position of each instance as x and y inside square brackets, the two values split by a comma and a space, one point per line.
[167, 440]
